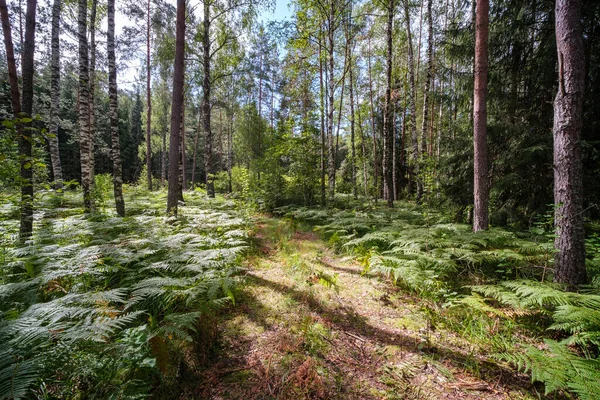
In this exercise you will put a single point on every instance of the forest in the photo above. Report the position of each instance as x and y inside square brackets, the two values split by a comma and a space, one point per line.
[311, 199]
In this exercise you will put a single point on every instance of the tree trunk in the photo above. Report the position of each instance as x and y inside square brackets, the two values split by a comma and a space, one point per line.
[85, 141]
[176, 104]
[55, 97]
[413, 108]
[196, 148]
[388, 136]
[114, 115]
[331, 45]
[427, 90]
[569, 261]
[375, 171]
[323, 134]
[92, 92]
[352, 129]
[149, 104]
[183, 166]
[481, 181]
[206, 86]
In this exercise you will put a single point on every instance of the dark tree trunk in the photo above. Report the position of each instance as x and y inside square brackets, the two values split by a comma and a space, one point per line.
[388, 135]
[375, 170]
[55, 97]
[568, 187]
[114, 115]
[330, 56]
[206, 86]
[481, 181]
[176, 104]
[85, 141]
[149, 104]
[196, 148]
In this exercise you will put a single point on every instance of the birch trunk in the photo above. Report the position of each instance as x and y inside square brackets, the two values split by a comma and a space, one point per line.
[114, 115]
[85, 141]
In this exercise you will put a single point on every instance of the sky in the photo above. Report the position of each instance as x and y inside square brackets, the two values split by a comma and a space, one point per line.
[128, 76]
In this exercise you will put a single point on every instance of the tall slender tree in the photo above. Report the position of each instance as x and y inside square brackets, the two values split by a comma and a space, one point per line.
[206, 87]
[55, 96]
[428, 84]
[176, 114]
[388, 134]
[481, 180]
[85, 140]
[148, 102]
[412, 107]
[23, 108]
[114, 114]
[92, 86]
[568, 187]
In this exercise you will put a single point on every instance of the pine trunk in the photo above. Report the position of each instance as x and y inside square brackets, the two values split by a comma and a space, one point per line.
[92, 98]
[114, 115]
[412, 126]
[388, 135]
[569, 261]
[331, 45]
[206, 86]
[481, 182]
[176, 104]
[55, 97]
[427, 91]
[323, 133]
[149, 104]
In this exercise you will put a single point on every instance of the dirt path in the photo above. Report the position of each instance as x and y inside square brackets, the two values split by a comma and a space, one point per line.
[309, 325]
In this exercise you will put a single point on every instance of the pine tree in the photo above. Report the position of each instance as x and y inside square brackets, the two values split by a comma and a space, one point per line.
[55, 96]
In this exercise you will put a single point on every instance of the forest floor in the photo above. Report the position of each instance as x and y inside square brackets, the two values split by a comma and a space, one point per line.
[310, 325]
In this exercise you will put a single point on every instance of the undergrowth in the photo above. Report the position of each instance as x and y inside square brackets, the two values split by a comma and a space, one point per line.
[98, 306]
[492, 288]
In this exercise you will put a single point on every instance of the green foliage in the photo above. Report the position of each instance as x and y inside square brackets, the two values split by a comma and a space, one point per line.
[571, 364]
[420, 251]
[112, 295]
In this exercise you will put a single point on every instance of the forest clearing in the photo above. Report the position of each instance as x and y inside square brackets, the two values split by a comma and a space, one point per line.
[313, 199]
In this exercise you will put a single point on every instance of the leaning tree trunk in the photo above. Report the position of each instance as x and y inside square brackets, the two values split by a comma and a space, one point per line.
[149, 104]
[55, 97]
[85, 141]
[481, 181]
[114, 115]
[427, 90]
[92, 98]
[206, 86]
[568, 187]
[176, 104]
[388, 135]
[413, 107]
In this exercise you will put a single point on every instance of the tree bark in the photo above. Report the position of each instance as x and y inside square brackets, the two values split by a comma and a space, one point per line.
[481, 181]
[92, 83]
[148, 103]
[85, 141]
[206, 86]
[176, 104]
[375, 170]
[196, 148]
[323, 133]
[427, 89]
[569, 261]
[114, 115]
[413, 108]
[55, 97]
[330, 49]
[388, 136]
